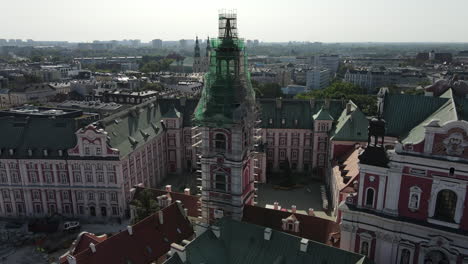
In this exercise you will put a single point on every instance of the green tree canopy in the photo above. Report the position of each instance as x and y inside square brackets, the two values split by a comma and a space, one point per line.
[145, 205]
[347, 91]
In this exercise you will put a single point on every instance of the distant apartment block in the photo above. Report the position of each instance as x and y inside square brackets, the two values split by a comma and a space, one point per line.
[330, 62]
[156, 43]
[372, 80]
[317, 78]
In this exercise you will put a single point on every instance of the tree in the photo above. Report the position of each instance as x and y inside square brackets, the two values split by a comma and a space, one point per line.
[145, 205]
[346, 91]
[37, 58]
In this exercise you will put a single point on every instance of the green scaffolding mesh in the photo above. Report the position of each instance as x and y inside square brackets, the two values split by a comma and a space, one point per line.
[227, 94]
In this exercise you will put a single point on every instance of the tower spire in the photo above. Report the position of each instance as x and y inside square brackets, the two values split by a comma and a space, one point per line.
[208, 47]
[197, 48]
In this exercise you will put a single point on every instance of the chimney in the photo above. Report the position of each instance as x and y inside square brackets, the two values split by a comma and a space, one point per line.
[130, 230]
[168, 188]
[293, 209]
[327, 104]
[312, 103]
[92, 247]
[182, 210]
[279, 102]
[187, 191]
[275, 205]
[311, 212]
[180, 250]
[304, 243]
[161, 217]
[71, 259]
[348, 108]
[216, 231]
[267, 233]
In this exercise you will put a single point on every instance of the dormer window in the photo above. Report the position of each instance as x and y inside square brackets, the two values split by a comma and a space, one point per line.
[45, 152]
[29, 152]
[290, 224]
[98, 151]
[11, 152]
[60, 152]
[87, 151]
[409, 147]
[296, 122]
[283, 121]
[270, 121]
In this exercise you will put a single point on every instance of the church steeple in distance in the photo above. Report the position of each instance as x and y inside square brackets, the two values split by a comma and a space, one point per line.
[197, 48]
[208, 47]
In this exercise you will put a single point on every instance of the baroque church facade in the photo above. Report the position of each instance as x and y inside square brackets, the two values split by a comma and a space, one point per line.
[411, 199]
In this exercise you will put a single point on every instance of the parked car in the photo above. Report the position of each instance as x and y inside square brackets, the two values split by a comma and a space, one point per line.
[71, 226]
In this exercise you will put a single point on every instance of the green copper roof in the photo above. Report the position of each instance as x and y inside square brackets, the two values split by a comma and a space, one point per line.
[244, 243]
[323, 114]
[444, 114]
[172, 113]
[403, 112]
[36, 134]
[351, 126]
[295, 109]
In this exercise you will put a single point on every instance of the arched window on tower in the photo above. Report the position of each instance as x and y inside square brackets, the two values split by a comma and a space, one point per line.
[446, 205]
[370, 197]
[220, 142]
[451, 172]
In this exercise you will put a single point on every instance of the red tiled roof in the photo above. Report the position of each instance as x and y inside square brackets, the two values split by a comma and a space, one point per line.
[351, 167]
[149, 241]
[310, 227]
[82, 243]
[191, 202]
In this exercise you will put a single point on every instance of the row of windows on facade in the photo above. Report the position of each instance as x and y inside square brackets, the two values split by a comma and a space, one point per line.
[282, 154]
[65, 195]
[52, 209]
[60, 166]
[445, 204]
[62, 177]
[322, 126]
[45, 152]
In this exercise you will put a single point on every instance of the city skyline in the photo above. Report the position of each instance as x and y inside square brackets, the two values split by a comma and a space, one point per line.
[269, 21]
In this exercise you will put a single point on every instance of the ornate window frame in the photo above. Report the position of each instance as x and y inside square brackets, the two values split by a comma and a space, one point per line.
[439, 184]
[365, 237]
[414, 190]
[408, 247]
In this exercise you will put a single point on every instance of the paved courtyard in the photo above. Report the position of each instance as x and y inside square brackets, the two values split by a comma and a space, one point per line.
[304, 198]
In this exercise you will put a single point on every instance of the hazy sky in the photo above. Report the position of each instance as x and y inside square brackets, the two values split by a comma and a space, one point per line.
[273, 20]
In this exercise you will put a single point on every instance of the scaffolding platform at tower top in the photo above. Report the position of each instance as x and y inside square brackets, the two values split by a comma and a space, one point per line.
[228, 94]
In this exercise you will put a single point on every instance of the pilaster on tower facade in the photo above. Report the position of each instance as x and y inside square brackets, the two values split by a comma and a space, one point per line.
[225, 118]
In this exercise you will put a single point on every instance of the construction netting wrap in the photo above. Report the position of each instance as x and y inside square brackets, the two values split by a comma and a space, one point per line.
[227, 95]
